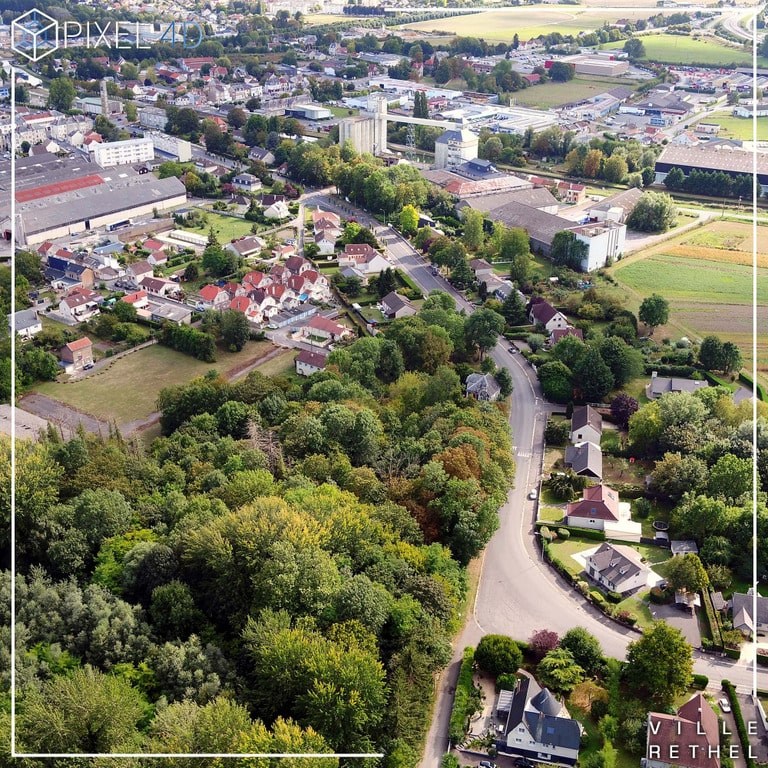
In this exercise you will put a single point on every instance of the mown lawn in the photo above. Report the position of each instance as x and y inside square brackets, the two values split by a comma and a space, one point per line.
[226, 228]
[551, 514]
[128, 389]
[732, 127]
[551, 94]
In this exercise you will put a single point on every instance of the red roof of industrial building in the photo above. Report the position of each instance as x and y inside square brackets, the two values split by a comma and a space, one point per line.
[49, 190]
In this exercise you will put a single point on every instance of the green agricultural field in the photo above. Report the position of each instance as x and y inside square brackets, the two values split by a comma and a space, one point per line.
[691, 279]
[501, 25]
[128, 389]
[226, 228]
[679, 49]
[548, 95]
[739, 127]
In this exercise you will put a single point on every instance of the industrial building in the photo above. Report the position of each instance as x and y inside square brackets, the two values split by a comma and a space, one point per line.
[455, 147]
[368, 133]
[733, 160]
[606, 67]
[62, 196]
[308, 112]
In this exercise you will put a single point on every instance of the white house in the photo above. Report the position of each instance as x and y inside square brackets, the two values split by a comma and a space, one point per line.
[542, 312]
[394, 305]
[586, 425]
[617, 568]
[26, 323]
[309, 362]
[536, 725]
[278, 210]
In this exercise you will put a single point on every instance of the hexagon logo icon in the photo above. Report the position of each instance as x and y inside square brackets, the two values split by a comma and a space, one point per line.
[34, 35]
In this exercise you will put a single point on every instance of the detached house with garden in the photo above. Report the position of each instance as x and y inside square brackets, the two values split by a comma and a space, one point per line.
[536, 725]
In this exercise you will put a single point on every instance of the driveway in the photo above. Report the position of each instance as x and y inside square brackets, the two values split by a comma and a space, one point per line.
[62, 414]
[686, 622]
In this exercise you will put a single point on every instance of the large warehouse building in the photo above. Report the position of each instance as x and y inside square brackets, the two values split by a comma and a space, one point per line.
[62, 196]
[721, 157]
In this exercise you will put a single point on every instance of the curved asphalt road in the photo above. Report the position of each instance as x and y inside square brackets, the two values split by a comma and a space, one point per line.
[518, 593]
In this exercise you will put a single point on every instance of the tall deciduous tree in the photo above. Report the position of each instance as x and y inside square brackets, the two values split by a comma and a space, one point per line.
[473, 229]
[592, 377]
[584, 647]
[660, 663]
[498, 654]
[654, 212]
[568, 251]
[235, 329]
[482, 330]
[687, 573]
[654, 311]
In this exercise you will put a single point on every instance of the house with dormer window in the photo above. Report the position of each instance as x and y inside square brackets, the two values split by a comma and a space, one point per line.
[617, 567]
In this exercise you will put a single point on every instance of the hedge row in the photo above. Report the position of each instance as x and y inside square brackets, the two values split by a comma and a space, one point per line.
[584, 533]
[716, 381]
[759, 388]
[714, 623]
[739, 718]
[458, 726]
[762, 659]
[670, 370]
[700, 682]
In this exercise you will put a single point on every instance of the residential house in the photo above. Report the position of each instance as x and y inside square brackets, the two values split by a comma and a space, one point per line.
[277, 210]
[660, 385]
[617, 568]
[316, 285]
[246, 246]
[561, 333]
[482, 269]
[264, 155]
[77, 355]
[536, 725]
[394, 305]
[309, 362]
[136, 272]
[324, 328]
[246, 182]
[283, 251]
[325, 240]
[319, 215]
[279, 273]
[63, 273]
[140, 300]
[213, 297]
[598, 508]
[157, 286]
[483, 386]
[689, 739]
[541, 312]
[172, 313]
[26, 323]
[585, 459]
[743, 612]
[80, 307]
[297, 265]
[363, 257]
[256, 279]
[586, 424]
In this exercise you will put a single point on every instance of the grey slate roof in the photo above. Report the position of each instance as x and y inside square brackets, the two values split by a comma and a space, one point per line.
[23, 319]
[482, 383]
[586, 415]
[661, 384]
[742, 610]
[585, 459]
[615, 564]
[683, 547]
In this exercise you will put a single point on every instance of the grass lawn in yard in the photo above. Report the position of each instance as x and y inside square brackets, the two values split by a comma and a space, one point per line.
[371, 313]
[637, 606]
[226, 228]
[619, 470]
[128, 389]
[281, 365]
[551, 514]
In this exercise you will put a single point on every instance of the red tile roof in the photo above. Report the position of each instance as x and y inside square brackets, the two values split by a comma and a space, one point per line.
[598, 502]
[79, 344]
[210, 292]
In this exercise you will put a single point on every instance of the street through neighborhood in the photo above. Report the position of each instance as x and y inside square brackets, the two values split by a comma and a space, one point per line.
[518, 593]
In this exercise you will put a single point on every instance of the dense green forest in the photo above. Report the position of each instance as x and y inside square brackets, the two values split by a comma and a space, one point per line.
[279, 572]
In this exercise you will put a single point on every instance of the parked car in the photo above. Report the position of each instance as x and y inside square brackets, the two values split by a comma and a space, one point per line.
[533, 495]
[513, 350]
[523, 762]
[724, 705]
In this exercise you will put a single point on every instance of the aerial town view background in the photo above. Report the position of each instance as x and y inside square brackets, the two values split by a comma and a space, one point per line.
[382, 383]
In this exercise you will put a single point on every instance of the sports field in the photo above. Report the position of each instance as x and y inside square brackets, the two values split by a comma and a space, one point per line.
[679, 49]
[501, 25]
[707, 277]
